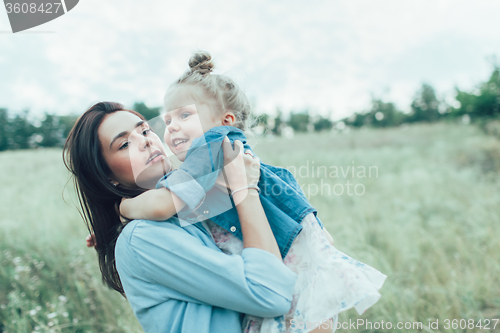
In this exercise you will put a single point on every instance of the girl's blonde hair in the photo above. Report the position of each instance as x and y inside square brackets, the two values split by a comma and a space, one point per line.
[226, 94]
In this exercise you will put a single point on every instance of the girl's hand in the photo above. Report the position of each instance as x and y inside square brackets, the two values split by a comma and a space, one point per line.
[241, 169]
[91, 240]
[119, 211]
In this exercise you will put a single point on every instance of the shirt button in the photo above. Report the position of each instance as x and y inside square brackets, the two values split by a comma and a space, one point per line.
[233, 228]
[205, 212]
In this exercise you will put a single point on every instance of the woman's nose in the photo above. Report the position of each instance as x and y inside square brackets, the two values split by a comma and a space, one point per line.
[145, 143]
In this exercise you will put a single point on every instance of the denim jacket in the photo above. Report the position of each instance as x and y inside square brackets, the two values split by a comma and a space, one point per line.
[282, 198]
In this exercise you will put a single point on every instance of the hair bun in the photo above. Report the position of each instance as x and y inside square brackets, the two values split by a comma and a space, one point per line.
[201, 62]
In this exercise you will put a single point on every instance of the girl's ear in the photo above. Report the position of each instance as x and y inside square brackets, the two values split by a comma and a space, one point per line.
[228, 119]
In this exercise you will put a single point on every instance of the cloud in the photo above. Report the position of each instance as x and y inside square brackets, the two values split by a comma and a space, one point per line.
[330, 55]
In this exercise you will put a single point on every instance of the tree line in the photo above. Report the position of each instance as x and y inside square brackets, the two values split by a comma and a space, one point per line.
[20, 132]
[482, 104]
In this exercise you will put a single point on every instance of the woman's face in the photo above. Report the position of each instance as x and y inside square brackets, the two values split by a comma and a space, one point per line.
[132, 151]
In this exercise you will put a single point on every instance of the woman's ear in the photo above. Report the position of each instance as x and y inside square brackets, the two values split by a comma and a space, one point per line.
[228, 119]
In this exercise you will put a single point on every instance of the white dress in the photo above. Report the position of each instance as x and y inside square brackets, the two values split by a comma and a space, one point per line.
[328, 281]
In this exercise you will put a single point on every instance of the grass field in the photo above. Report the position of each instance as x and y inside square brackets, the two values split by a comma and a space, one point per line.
[427, 216]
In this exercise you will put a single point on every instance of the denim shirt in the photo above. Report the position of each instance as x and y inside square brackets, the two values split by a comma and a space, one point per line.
[177, 280]
[282, 198]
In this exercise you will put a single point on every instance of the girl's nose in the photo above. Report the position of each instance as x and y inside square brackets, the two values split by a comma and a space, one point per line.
[173, 127]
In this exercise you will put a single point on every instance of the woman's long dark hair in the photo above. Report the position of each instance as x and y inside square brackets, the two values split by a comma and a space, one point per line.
[82, 155]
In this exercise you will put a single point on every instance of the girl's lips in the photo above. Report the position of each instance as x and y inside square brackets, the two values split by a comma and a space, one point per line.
[180, 146]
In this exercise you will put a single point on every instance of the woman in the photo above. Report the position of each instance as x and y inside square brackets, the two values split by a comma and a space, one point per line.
[175, 278]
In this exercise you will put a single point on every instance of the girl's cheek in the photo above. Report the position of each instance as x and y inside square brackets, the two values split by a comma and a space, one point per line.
[196, 128]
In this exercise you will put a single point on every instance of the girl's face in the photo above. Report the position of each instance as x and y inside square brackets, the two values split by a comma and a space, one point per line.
[187, 118]
[132, 151]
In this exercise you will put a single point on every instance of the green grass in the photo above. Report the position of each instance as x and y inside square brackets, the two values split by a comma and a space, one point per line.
[429, 220]
[49, 280]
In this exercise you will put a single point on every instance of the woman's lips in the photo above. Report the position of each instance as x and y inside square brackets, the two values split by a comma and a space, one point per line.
[155, 156]
[156, 159]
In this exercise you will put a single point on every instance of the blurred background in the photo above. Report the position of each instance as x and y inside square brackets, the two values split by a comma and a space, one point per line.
[407, 90]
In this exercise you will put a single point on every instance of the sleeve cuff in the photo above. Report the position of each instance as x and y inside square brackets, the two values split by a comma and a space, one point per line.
[185, 187]
[319, 222]
[257, 263]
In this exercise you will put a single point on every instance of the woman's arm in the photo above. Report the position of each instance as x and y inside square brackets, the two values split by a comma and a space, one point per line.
[189, 264]
[178, 264]
[241, 170]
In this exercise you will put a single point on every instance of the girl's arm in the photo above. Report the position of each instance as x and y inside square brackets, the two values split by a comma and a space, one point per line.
[157, 205]
[183, 187]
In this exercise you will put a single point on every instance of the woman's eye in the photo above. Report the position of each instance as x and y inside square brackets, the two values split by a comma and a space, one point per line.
[124, 145]
[167, 122]
[185, 115]
[146, 131]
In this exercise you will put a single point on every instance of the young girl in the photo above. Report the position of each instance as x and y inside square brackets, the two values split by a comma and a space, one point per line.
[204, 109]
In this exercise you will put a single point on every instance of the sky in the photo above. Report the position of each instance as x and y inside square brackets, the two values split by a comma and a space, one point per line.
[331, 57]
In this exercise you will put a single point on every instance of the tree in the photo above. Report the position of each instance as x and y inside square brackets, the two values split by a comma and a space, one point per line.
[278, 123]
[322, 124]
[21, 130]
[299, 121]
[381, 114]
[49, 129]
[148, 113]
[4, 129]
[262, 120]
[385, 114]
[358, 120]
[425, 107]
[66, 123]
[484, 104]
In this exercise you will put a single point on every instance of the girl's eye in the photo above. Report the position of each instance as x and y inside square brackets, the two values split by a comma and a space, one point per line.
[167, 122]
[185, 115]
[124, 145]
[146, 131]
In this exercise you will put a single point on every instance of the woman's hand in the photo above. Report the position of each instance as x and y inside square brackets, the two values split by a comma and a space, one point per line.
[240, 169]
[243, 170]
